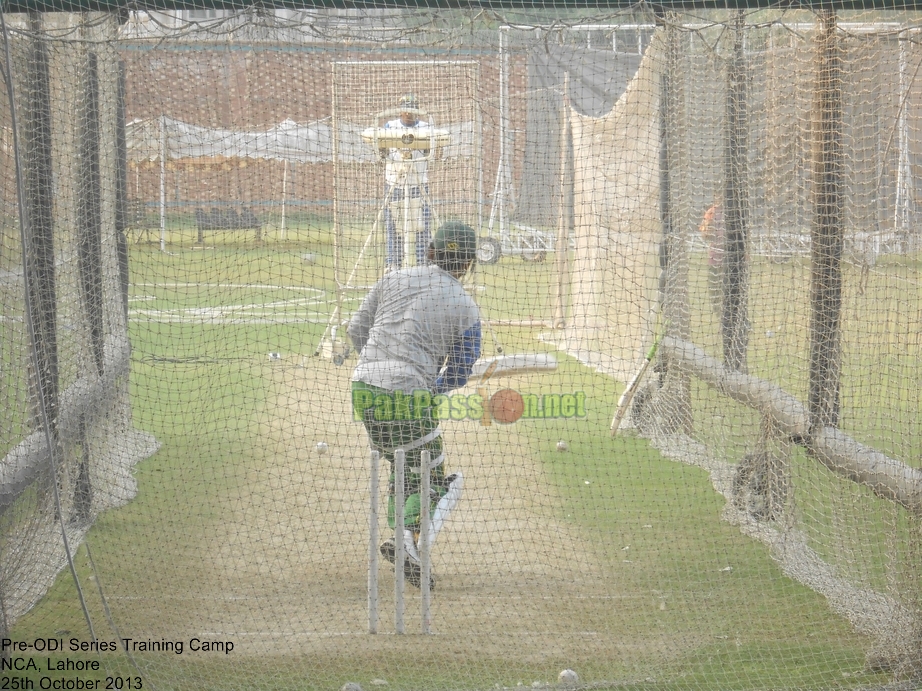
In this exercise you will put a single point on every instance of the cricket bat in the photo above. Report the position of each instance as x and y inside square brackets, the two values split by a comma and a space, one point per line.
[624, 402]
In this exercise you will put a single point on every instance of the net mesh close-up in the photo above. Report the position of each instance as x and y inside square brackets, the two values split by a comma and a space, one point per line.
[472, 348]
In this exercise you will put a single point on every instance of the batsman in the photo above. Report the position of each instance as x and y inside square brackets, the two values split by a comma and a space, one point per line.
[418, 334]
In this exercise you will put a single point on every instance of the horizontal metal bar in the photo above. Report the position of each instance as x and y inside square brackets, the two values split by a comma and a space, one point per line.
[473, 5]
[886, 477]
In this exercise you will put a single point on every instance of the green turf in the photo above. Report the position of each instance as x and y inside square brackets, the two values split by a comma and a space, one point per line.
[748, 653]
[201, 390]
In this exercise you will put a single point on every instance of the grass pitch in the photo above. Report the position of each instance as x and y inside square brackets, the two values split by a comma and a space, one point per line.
[608, 558]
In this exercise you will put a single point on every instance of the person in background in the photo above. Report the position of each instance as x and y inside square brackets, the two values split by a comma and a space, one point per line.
[406, 178]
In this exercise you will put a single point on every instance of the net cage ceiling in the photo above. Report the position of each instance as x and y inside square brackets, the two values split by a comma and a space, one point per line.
[471, 347]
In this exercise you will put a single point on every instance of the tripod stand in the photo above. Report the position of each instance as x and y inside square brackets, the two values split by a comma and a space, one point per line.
[407, 236]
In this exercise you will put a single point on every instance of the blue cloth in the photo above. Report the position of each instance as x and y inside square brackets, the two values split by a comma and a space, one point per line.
[460, 362]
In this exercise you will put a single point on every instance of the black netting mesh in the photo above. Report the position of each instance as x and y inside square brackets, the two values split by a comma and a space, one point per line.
[672, 410]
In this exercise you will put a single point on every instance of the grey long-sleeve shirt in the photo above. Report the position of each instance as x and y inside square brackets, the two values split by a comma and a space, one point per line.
[411, 322]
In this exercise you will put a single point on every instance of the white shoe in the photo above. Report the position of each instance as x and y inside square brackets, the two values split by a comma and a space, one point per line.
[412, 568]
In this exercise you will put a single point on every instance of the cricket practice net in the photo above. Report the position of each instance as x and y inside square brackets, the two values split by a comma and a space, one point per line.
[691, 448]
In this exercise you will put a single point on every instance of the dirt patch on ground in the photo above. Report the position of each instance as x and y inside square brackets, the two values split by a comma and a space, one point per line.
[293, 563]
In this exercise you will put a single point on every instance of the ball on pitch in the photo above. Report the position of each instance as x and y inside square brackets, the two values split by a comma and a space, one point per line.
[563, 446]
[568, 676]
[322, 447]
[506, 406]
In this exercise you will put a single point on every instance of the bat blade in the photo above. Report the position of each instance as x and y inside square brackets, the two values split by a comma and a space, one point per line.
[624, 401]
[506, 365]
[627, 396]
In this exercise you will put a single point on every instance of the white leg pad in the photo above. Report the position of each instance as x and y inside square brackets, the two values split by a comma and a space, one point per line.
[410, 546]
[444, 507]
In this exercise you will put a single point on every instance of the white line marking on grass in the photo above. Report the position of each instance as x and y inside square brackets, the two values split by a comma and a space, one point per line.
[275, 312]
[223, 321]
[255, 286]
[897, 277]
[364, 634]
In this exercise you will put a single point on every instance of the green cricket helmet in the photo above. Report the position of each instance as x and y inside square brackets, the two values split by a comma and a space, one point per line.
[455, 245]
[408, 101]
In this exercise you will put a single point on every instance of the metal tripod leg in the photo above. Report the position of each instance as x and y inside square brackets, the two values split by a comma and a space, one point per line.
[341, 289]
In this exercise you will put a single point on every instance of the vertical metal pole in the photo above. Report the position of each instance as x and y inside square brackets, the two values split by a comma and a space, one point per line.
[503, 133]
[735, 271]
[162, 183]
[566, 211]
[903, 171]
[826, 232]
[409, 245]
[121, 191]
[284, 195]
[38, 228]
[424, 546]
[478, 143]
[673, 257]
[665, 208]
[400, 463]
[338, 239]
[374, 485]
[89, 213]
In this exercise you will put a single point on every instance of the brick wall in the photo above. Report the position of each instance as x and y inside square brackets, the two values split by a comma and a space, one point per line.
[253, 87]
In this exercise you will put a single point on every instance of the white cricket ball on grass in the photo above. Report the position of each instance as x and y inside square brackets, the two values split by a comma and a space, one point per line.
[568, 676]
[563, 446]
[322, 447]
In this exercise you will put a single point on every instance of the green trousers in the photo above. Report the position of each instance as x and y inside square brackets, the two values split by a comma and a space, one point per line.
[419, 433]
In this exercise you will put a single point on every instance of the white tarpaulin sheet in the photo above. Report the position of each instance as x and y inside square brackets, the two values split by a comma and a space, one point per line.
[288, 141]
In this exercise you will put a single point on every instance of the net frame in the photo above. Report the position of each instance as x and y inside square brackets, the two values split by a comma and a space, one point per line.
[359, 260]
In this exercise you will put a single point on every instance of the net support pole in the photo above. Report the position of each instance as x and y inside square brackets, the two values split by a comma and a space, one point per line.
[163, 183]
[338, 233]
[38, 246]
[284, 197]
[903, 170]
[89, 257]
[425, 547]
[400, 553]
[89, 210]
[676, 384]
[502, 186]
[373, 489]
[734, 315]
[121, 191]
[826, 230]
[566, 210]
